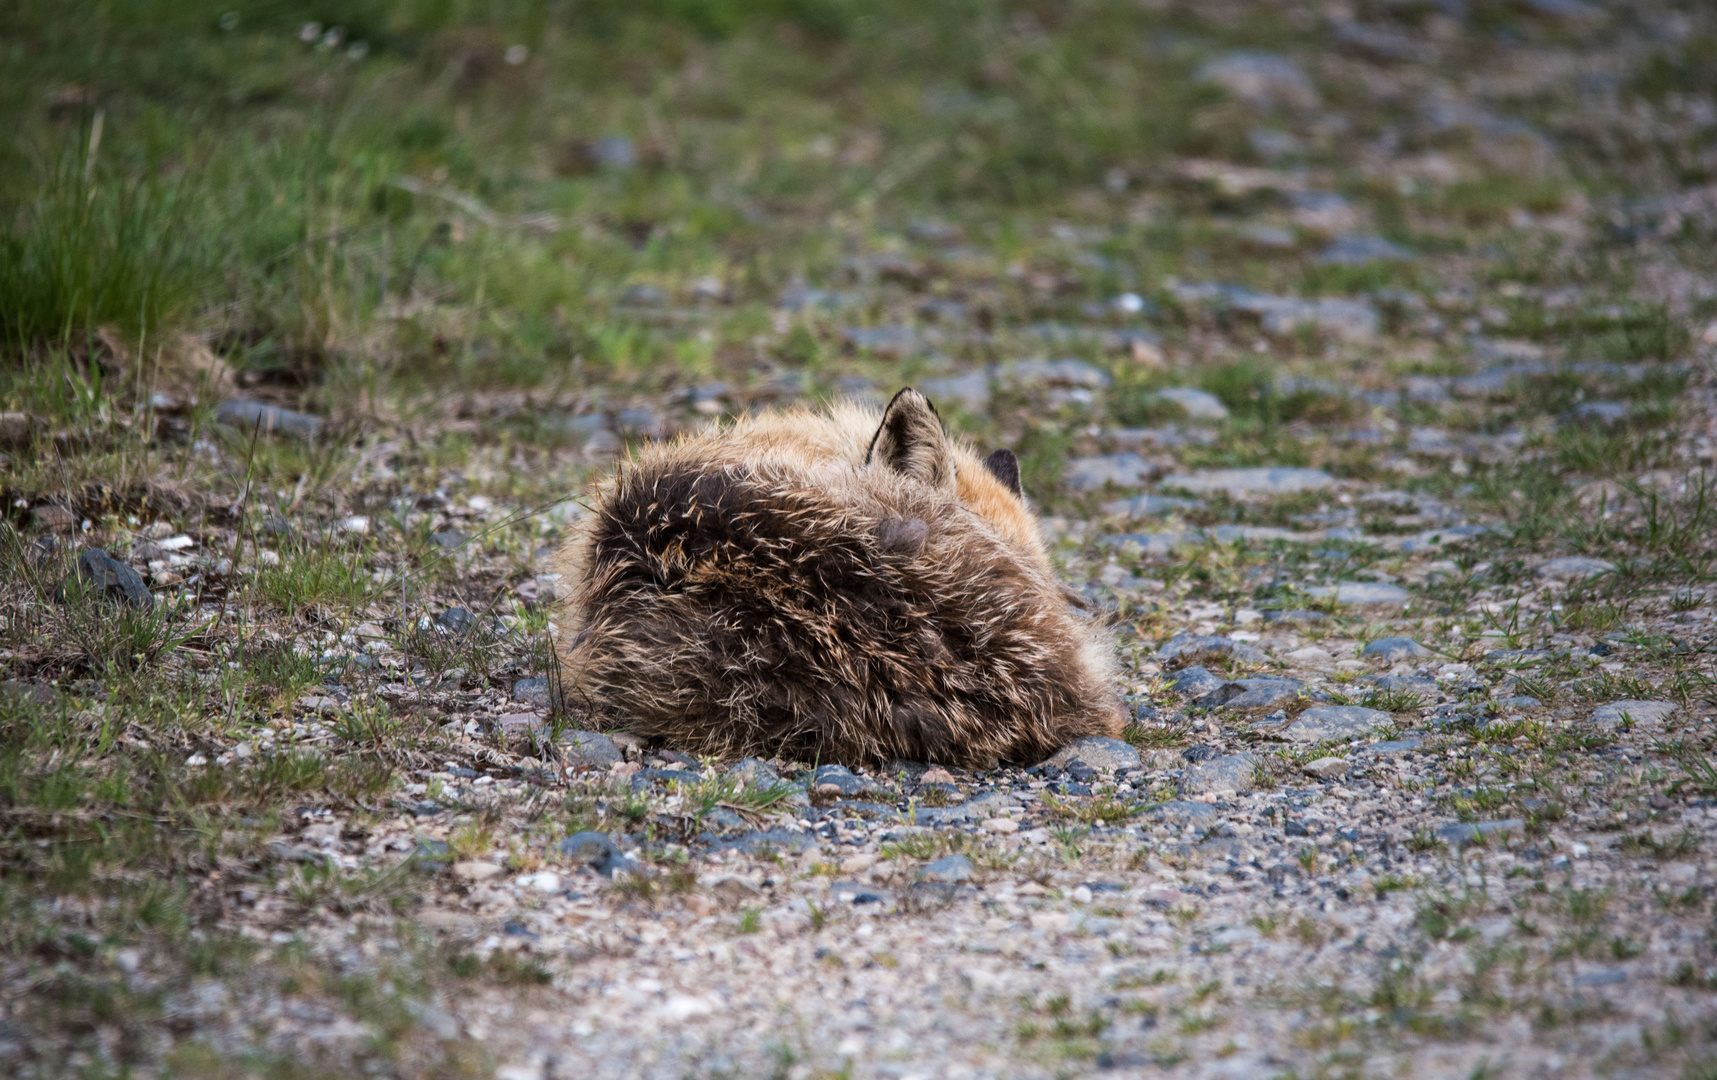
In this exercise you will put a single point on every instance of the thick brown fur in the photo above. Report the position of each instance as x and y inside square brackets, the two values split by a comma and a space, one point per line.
[832, 586]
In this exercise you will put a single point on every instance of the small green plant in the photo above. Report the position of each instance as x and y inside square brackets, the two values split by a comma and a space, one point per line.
[313, 576]
[750, 921]
[1104, 807]
[1644, 845]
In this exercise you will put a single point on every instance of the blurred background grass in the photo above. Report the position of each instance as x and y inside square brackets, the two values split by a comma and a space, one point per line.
[453, 192]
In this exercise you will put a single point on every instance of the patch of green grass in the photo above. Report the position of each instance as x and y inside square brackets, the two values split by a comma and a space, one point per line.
[316, 576]
[100, 246]
[1644, 845]
[732, 793]
[1103, 807]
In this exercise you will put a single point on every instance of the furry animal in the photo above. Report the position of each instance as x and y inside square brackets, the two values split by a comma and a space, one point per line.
[828, 586]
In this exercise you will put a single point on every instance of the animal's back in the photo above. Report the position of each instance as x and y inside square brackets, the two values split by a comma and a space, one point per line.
[820, 586]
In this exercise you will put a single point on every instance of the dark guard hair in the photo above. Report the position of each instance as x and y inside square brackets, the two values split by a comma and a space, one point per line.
[782, 587]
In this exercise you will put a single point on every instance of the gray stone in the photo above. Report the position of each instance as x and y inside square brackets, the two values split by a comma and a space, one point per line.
[595, 850]
[441, 1023]
[1604, 412]
[1265, 80]
[1179, 646]
[1125, 469]
[254, 415]
[113, 579]
[1251, 693]
[1187, 812]
[929, 895]
[1601, 977]
[734, 889]
[590, 749]
[1356, 249]
[616, 153]
[1295, 616]
[1352, 320]
[1394, 746]
[1197, 404]
[859, 894]
[1070, 373]
[1195, 682]
[934, 816]
[721, 819]
[1095, 751]
[1478, 832]
[1520, 702]
[1360, 593]
[949, 868]
[1640, 712]
[971, 392]
[533, 692]
[1325, 768]
[457, 620]
[890, 341]
[1144, 506]
[1395, 648]
[764, 841]
[1230, 774]
[840, 777]
[1574, 566]
[1238, 482]
[526, 725]
[755, 771]
[1418, 684]
[864, 809]
[1327, 723]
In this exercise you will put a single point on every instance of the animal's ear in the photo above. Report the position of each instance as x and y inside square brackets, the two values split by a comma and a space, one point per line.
[1005, 467]
[910, 440]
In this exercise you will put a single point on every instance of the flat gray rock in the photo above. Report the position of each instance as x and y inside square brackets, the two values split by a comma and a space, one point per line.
[1355, 249]
[1359, 593]
[1478, 832]
[1071, 373]
[1195, 682]
[1265, 80]
[590, 749]
[1327, 723]
[1227, 775]
[531, 691]
[1272, 481]
[755, 771]
[971, 392]
[1574, 566]
[1187, 812]
[1393, 746]
[255, 415]
[764, 841]
[1649, 712]
[113, 579]
[1251, 693]
[841, 778]
[1125, 469]
[859, 894]
[1197, 404]
[1179, 646]
[949, 869]
[1144, 506]
[595, 850]
[1395, 648]
[1095, 751]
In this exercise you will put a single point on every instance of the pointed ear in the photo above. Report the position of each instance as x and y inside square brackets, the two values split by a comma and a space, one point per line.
[910, 441]
[1005, 467]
